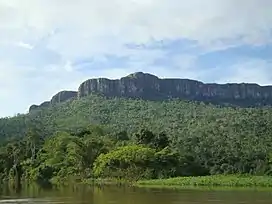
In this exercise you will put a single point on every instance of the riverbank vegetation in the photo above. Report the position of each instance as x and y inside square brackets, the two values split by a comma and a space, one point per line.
[211, 181]
[121, 139]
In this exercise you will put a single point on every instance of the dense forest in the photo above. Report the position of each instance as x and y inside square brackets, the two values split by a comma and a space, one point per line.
[98, 137]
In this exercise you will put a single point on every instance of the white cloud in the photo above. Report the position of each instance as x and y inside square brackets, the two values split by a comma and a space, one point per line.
[93, 21]
[40, 40]
[248, 70]
[25, 45]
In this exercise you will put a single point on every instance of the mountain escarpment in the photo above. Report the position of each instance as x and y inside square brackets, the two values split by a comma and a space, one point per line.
[150, 87]
[60, 97]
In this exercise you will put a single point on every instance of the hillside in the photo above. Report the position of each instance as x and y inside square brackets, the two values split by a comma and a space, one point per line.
[178, 118]
[99, 101]
[207, 138]
[200, 138]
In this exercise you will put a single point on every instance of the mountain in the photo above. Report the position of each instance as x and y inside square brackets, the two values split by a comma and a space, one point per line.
[58, 98]
[222, 140]
[178, 118]
[147, 86]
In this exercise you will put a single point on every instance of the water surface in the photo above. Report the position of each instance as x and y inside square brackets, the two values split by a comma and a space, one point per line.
[115, 195]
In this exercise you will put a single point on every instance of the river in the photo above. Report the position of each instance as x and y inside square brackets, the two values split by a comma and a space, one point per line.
[115, 195]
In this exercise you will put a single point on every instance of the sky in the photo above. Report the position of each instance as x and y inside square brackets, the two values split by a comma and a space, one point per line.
[51, 45]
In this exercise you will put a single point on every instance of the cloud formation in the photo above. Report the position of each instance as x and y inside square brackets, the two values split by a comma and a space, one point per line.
[49, 45]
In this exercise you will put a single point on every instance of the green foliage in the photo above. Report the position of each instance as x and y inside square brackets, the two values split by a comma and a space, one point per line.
[168, 138]
[161, 141]
[167, 163]
[129, 162]
[218, 180]
[148, 138]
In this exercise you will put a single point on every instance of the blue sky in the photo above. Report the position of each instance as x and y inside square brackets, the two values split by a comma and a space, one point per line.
[48, 45]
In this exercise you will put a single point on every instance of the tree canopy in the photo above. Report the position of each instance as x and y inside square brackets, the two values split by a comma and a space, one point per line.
[98, 136]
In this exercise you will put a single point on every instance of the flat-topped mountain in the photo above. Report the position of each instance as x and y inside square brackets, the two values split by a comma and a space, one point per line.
[150, 87]
[58, 98]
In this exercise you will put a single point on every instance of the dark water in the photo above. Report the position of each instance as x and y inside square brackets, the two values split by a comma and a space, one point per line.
[114, 195]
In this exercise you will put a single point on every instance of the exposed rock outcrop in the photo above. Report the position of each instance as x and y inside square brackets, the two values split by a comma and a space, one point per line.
[147, 86]
[45, 104]
[58, 98]
[63, 96]
[150, 87]
[137, 85]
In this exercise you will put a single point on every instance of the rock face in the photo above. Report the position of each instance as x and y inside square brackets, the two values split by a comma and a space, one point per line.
[147, 86]
[45, 104]
[58, 98]
[150, 87]
[63, 96]
[33, 107]
[138, 85]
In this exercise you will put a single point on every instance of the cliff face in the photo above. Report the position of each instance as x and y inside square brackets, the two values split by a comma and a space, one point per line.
[63, 96]
[150, 87]
[58, 98]
[45, 104]
[138, 85]
[147, 86]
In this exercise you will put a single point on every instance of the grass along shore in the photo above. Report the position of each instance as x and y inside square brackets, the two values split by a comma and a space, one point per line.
[216, 181]
[209, 181]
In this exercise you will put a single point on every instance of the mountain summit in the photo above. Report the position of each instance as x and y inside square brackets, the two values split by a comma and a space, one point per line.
[150, 87]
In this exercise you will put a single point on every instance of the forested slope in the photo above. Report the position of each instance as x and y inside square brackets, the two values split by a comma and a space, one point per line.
[201, 139]
[178, 118]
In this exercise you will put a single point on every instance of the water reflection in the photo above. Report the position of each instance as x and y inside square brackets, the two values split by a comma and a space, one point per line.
[93, 195]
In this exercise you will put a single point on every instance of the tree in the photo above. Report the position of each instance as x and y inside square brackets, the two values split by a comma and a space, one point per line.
[144, 137]
[161, 141]
[132, 162]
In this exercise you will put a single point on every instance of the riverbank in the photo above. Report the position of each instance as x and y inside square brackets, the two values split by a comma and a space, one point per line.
[209, 181]
[107, 182]
[215, 181]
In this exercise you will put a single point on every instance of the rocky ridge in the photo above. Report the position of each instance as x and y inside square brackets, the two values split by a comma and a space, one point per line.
[150, 87]
[60, 97]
